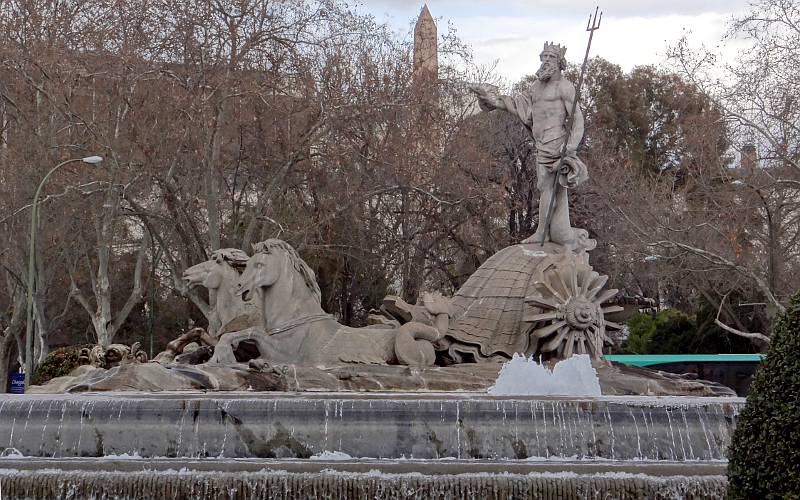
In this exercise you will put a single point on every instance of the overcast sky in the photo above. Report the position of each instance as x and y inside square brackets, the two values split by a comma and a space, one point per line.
[512, 32]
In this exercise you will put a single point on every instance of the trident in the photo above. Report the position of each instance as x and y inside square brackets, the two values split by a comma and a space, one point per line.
[592, 26]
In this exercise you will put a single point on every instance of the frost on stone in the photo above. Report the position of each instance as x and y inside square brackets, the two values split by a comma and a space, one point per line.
[521, 376]
[124, 456]
[331, 455]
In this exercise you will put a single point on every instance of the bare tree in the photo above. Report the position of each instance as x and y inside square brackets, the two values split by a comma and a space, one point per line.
[757, 98]
[11, 321]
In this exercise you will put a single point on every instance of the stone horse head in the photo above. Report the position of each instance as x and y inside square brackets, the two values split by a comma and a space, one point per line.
[287, 284]
[299, 331]
[220, 275]
[213, 272]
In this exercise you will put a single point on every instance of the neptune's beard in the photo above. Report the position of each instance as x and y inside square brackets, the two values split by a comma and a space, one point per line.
[546, 70]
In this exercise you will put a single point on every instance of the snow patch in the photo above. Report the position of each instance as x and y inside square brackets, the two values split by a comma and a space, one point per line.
[124, 456]
[570, 458]
[525, 377]
[331, 455]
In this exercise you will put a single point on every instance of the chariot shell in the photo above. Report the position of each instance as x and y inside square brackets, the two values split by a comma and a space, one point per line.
[541, 301]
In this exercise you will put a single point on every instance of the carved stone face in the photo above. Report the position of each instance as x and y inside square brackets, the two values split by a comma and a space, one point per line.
[263, 270]
[550, 64]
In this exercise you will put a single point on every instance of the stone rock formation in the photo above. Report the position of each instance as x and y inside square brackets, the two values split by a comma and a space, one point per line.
[614, 379]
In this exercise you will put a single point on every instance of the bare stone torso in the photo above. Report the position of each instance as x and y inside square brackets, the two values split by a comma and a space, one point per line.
[548, 112]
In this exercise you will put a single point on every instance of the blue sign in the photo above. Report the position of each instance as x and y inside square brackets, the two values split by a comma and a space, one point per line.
[17, 383]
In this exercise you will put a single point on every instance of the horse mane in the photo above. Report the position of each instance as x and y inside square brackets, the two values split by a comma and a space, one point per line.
[233, 256]
[298, 263]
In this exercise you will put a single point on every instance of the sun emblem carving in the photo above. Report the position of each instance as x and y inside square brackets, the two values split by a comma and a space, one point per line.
[566, 312]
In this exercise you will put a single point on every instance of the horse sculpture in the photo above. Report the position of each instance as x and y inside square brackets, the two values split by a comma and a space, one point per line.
[220, 276]
[297, 330]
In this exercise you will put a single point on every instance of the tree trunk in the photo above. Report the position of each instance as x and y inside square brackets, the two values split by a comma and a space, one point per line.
[102, 293]
[409, 292]
[212, 176]
[3, 132]
[5, 357]
[41, 330]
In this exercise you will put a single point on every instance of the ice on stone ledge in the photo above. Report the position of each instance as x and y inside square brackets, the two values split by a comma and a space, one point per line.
[331, 455]
[125, 456]
[525, 377]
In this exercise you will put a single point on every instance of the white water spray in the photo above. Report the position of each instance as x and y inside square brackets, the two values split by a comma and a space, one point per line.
[522, 376]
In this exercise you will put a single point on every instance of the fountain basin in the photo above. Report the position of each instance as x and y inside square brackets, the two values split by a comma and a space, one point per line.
[371, 425]
[301, 479]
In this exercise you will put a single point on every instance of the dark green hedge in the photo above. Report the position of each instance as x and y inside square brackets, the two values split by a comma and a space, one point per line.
[764, 457]
[673, 331]
[58, 363]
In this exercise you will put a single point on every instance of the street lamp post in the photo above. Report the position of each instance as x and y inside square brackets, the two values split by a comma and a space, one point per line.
[92, 160]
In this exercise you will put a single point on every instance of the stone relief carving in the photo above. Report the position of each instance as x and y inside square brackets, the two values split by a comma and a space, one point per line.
[111, 356]
[569, 316]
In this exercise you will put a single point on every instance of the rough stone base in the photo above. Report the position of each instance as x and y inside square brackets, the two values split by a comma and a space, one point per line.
[277, 485]
[615, 379]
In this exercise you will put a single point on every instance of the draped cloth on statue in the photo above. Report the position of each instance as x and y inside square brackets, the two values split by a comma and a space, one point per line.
[487, 311]
[549, 141]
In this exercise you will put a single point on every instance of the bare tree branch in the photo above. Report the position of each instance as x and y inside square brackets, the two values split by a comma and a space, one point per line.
[748, 335]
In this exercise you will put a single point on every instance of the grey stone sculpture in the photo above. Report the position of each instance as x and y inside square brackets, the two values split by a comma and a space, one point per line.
[111, 356]
[542, 301]
[540, 298]
[220, 276]
[296, 330]
[526, 298]
[197, 336]
[544, 110]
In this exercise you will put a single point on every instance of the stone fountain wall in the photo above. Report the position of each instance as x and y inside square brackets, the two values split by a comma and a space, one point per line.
[54, 485]
[388, 426]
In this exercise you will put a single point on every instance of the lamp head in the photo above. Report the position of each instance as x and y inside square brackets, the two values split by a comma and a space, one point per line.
[92, 160]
